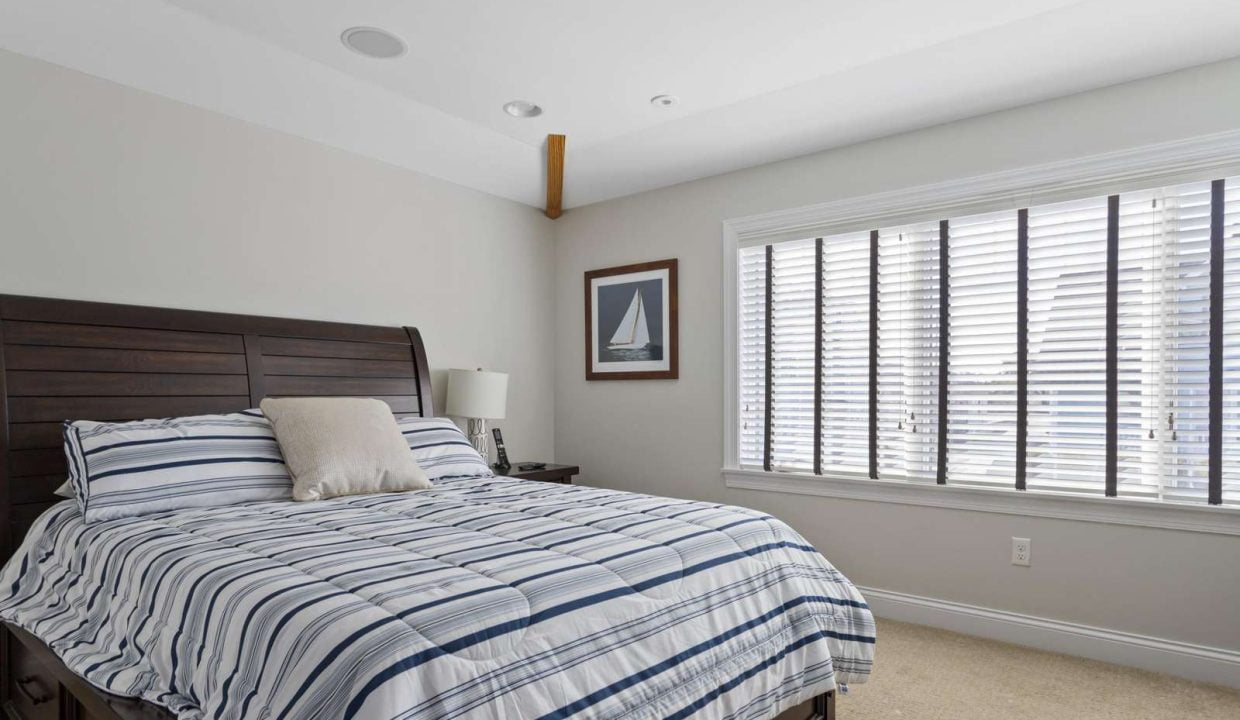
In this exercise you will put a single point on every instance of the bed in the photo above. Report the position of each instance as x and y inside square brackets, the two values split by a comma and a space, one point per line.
[483, 597]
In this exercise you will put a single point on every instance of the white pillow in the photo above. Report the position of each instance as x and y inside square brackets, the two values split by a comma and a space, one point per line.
[125, 469]
[342, 446]
[441, 449]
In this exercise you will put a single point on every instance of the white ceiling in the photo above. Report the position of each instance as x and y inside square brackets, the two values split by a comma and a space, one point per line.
[758, 81]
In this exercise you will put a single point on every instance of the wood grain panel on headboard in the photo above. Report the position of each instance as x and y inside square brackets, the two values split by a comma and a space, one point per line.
[70, 360]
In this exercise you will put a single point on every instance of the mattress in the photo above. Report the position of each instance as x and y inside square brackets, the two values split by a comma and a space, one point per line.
[480, 598]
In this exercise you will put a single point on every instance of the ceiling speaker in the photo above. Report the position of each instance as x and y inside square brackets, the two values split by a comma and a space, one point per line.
[373, 42]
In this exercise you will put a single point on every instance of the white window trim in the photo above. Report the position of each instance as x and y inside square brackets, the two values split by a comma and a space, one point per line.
[1149, 166]
[1089, 508]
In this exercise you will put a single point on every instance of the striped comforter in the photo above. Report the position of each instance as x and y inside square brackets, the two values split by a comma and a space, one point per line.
[481, 598]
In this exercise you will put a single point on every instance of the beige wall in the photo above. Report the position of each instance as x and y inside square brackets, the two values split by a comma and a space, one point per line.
[667, 436]
[109, 193]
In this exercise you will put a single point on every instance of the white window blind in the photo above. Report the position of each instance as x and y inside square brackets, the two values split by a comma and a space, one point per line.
[1067, 351]
[1069, 348]
[846, 353]
[793, 316]
[908, 352]
[982, 333]
[751, 355]
[1163, 319]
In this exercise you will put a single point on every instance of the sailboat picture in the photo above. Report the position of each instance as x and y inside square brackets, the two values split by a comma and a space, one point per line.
[633, 333]
[631, 322]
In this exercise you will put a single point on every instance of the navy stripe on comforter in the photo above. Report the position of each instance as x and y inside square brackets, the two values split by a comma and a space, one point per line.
[483, 597]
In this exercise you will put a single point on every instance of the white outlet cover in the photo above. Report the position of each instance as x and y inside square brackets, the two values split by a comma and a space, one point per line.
[1022, 551]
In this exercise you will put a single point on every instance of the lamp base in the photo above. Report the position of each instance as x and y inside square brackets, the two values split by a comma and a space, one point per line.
[476, 430]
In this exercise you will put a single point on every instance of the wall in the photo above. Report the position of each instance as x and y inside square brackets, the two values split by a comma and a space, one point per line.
[666, 437]
[109, 193]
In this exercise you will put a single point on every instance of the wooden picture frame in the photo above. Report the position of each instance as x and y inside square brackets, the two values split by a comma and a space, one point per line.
[631, 327]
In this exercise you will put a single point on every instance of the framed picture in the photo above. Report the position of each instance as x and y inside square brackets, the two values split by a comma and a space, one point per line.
[631, 330]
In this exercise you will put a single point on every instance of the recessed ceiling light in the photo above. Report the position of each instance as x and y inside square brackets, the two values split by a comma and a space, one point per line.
[522, 109]
[664, 100]
[373, 42]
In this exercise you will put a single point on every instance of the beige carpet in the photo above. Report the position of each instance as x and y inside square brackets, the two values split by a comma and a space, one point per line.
[926, 674]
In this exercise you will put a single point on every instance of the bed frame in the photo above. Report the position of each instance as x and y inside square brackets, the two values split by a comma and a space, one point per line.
[73, 359]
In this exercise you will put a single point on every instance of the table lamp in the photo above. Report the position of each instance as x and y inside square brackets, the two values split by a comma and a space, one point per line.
[478, 395]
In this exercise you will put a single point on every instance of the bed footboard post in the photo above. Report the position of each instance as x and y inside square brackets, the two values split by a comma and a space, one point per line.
[824, 706]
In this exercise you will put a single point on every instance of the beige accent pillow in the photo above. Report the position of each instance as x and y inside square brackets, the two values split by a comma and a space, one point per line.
[342, 446]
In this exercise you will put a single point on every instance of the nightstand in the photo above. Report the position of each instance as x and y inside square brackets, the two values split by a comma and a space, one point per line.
[562, 474]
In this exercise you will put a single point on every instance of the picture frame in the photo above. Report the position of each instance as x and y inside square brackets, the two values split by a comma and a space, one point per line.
[632, 330]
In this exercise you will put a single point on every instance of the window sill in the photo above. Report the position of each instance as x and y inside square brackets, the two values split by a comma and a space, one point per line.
[1115, 511]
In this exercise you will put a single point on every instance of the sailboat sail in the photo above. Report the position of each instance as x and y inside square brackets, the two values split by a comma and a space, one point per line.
[633, 331]
[641, 332]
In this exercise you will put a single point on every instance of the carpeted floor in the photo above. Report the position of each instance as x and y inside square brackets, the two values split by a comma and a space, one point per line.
[926, 674]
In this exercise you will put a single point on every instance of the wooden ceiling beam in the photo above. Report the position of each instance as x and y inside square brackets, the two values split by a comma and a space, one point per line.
[555, 176]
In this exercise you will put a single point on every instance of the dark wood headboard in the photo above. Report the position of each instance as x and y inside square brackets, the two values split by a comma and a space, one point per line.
[71, 360]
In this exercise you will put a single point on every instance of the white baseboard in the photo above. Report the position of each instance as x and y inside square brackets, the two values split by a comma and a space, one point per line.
[1194, 662]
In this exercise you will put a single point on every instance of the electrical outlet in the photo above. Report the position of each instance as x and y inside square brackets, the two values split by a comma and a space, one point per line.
[1022, 550]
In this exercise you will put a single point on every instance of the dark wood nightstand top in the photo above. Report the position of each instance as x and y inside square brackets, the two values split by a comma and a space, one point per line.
[551, 473]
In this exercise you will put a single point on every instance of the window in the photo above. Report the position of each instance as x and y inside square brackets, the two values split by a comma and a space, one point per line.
[845, 363]
[793, 268]
[1067, 347]
[982, 345]
[1088, 347]
[908, 352]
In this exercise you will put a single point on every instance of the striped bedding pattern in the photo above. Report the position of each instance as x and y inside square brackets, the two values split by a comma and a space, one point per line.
[441, 449]
[131, 468]
[481, 598]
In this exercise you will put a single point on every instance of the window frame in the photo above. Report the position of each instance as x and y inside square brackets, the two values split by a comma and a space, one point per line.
[1183, 161]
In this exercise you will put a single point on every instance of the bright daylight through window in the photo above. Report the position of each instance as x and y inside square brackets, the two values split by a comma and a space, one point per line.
[1088, 347]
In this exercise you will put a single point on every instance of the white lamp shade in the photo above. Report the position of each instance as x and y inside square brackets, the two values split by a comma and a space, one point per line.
[477, 394]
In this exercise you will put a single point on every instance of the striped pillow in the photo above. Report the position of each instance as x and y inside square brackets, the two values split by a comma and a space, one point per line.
[127, 469]
[441, 449]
